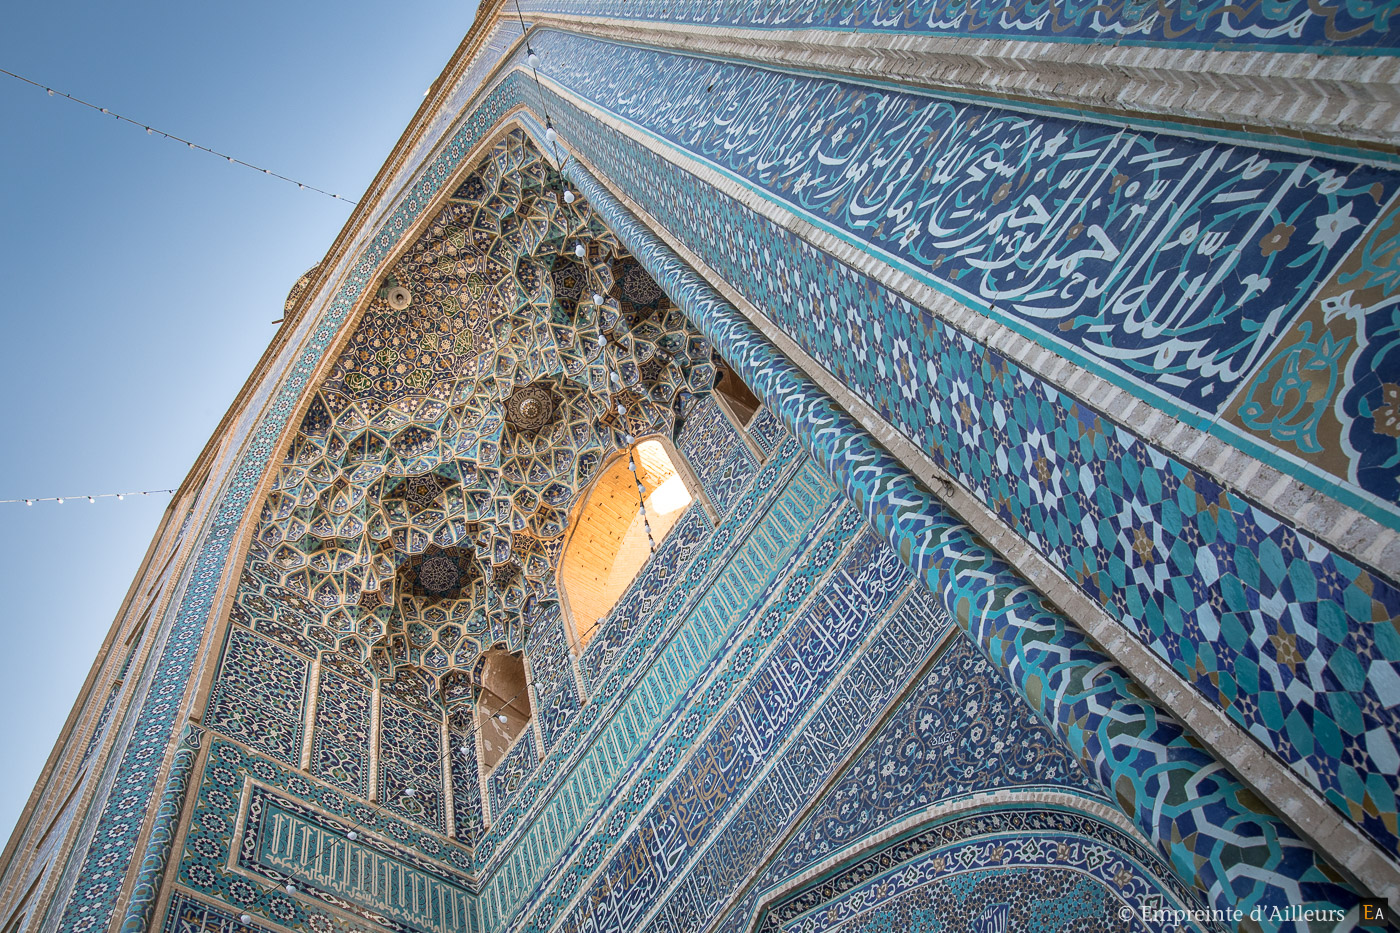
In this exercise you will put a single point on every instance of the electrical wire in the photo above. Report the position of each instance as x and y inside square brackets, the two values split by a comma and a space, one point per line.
[152, 131]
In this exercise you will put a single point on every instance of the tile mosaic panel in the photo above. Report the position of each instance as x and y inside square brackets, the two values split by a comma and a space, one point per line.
[556, 695]
[101, 857]
[1244, 607]
[712, 447]
[259, 695]
[410, 755]
[512, 771]
[751, 644]
[221, 859]
[1037, 870]
[467, 812]
[282, 839]
[1291, 25]
[960, 732]
[766, 431]
[1158, 771]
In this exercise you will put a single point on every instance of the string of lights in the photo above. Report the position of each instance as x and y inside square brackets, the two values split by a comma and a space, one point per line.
[93, 498]
[152, 131]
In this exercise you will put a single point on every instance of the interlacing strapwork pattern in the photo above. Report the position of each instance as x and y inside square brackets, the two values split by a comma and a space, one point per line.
[419, 514]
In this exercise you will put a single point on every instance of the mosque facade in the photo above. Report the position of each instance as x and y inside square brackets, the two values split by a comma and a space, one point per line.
[837, 465]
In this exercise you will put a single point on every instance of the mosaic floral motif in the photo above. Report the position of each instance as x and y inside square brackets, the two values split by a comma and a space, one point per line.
[1157, 771]
[467, 806]
[259, 694]
[1202, 576]
[1036, 870]
[1339, 26]
[1174, 261]
[512, 771]
[960, 732]
[411, 756]
[766, 431]
[720, 460]
[340, 743]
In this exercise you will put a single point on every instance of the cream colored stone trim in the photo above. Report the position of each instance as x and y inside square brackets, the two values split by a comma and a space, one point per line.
[1337, 838]
[1299, 94]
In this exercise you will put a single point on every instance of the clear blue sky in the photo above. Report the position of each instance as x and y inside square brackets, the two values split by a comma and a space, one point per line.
[140, 278]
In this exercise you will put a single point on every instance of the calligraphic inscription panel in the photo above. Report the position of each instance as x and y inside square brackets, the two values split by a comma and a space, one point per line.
[1267, 622]
[1334, 26]
[1168, 261]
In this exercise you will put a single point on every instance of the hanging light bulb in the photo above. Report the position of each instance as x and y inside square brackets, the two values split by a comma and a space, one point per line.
[549, 133]
[28, 501]
[597, 298]
[291, 887]
[245, 919]
[50, 90]
[120, 497]
[410, 792]
[502, 717]
[568, 196]
[621, 410]
[531, 57]
[580, 250]
[60, 500]
[465, 752]
[352, 835]
[91, 499]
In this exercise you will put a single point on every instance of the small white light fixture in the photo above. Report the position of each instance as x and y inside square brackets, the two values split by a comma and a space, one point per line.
[501, 717]
[568, 196]
[91, 499]
[120, 496]
[245, 919]
[60, 500]
[291, 887]
[531, 57]
[28, 501]
[580, 250]
[410, 792]
[50, 90]
[465, 752]
[597, 298]
[549, 133]
[352, 835]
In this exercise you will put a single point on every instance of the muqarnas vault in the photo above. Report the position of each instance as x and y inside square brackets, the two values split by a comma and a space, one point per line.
[855, 466]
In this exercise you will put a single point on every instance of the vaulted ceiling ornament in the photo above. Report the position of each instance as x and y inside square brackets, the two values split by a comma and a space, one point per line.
[422, 506]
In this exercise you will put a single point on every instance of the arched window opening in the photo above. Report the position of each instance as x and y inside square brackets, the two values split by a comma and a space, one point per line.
[502, 704]
[607, 544]
[737, 397]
